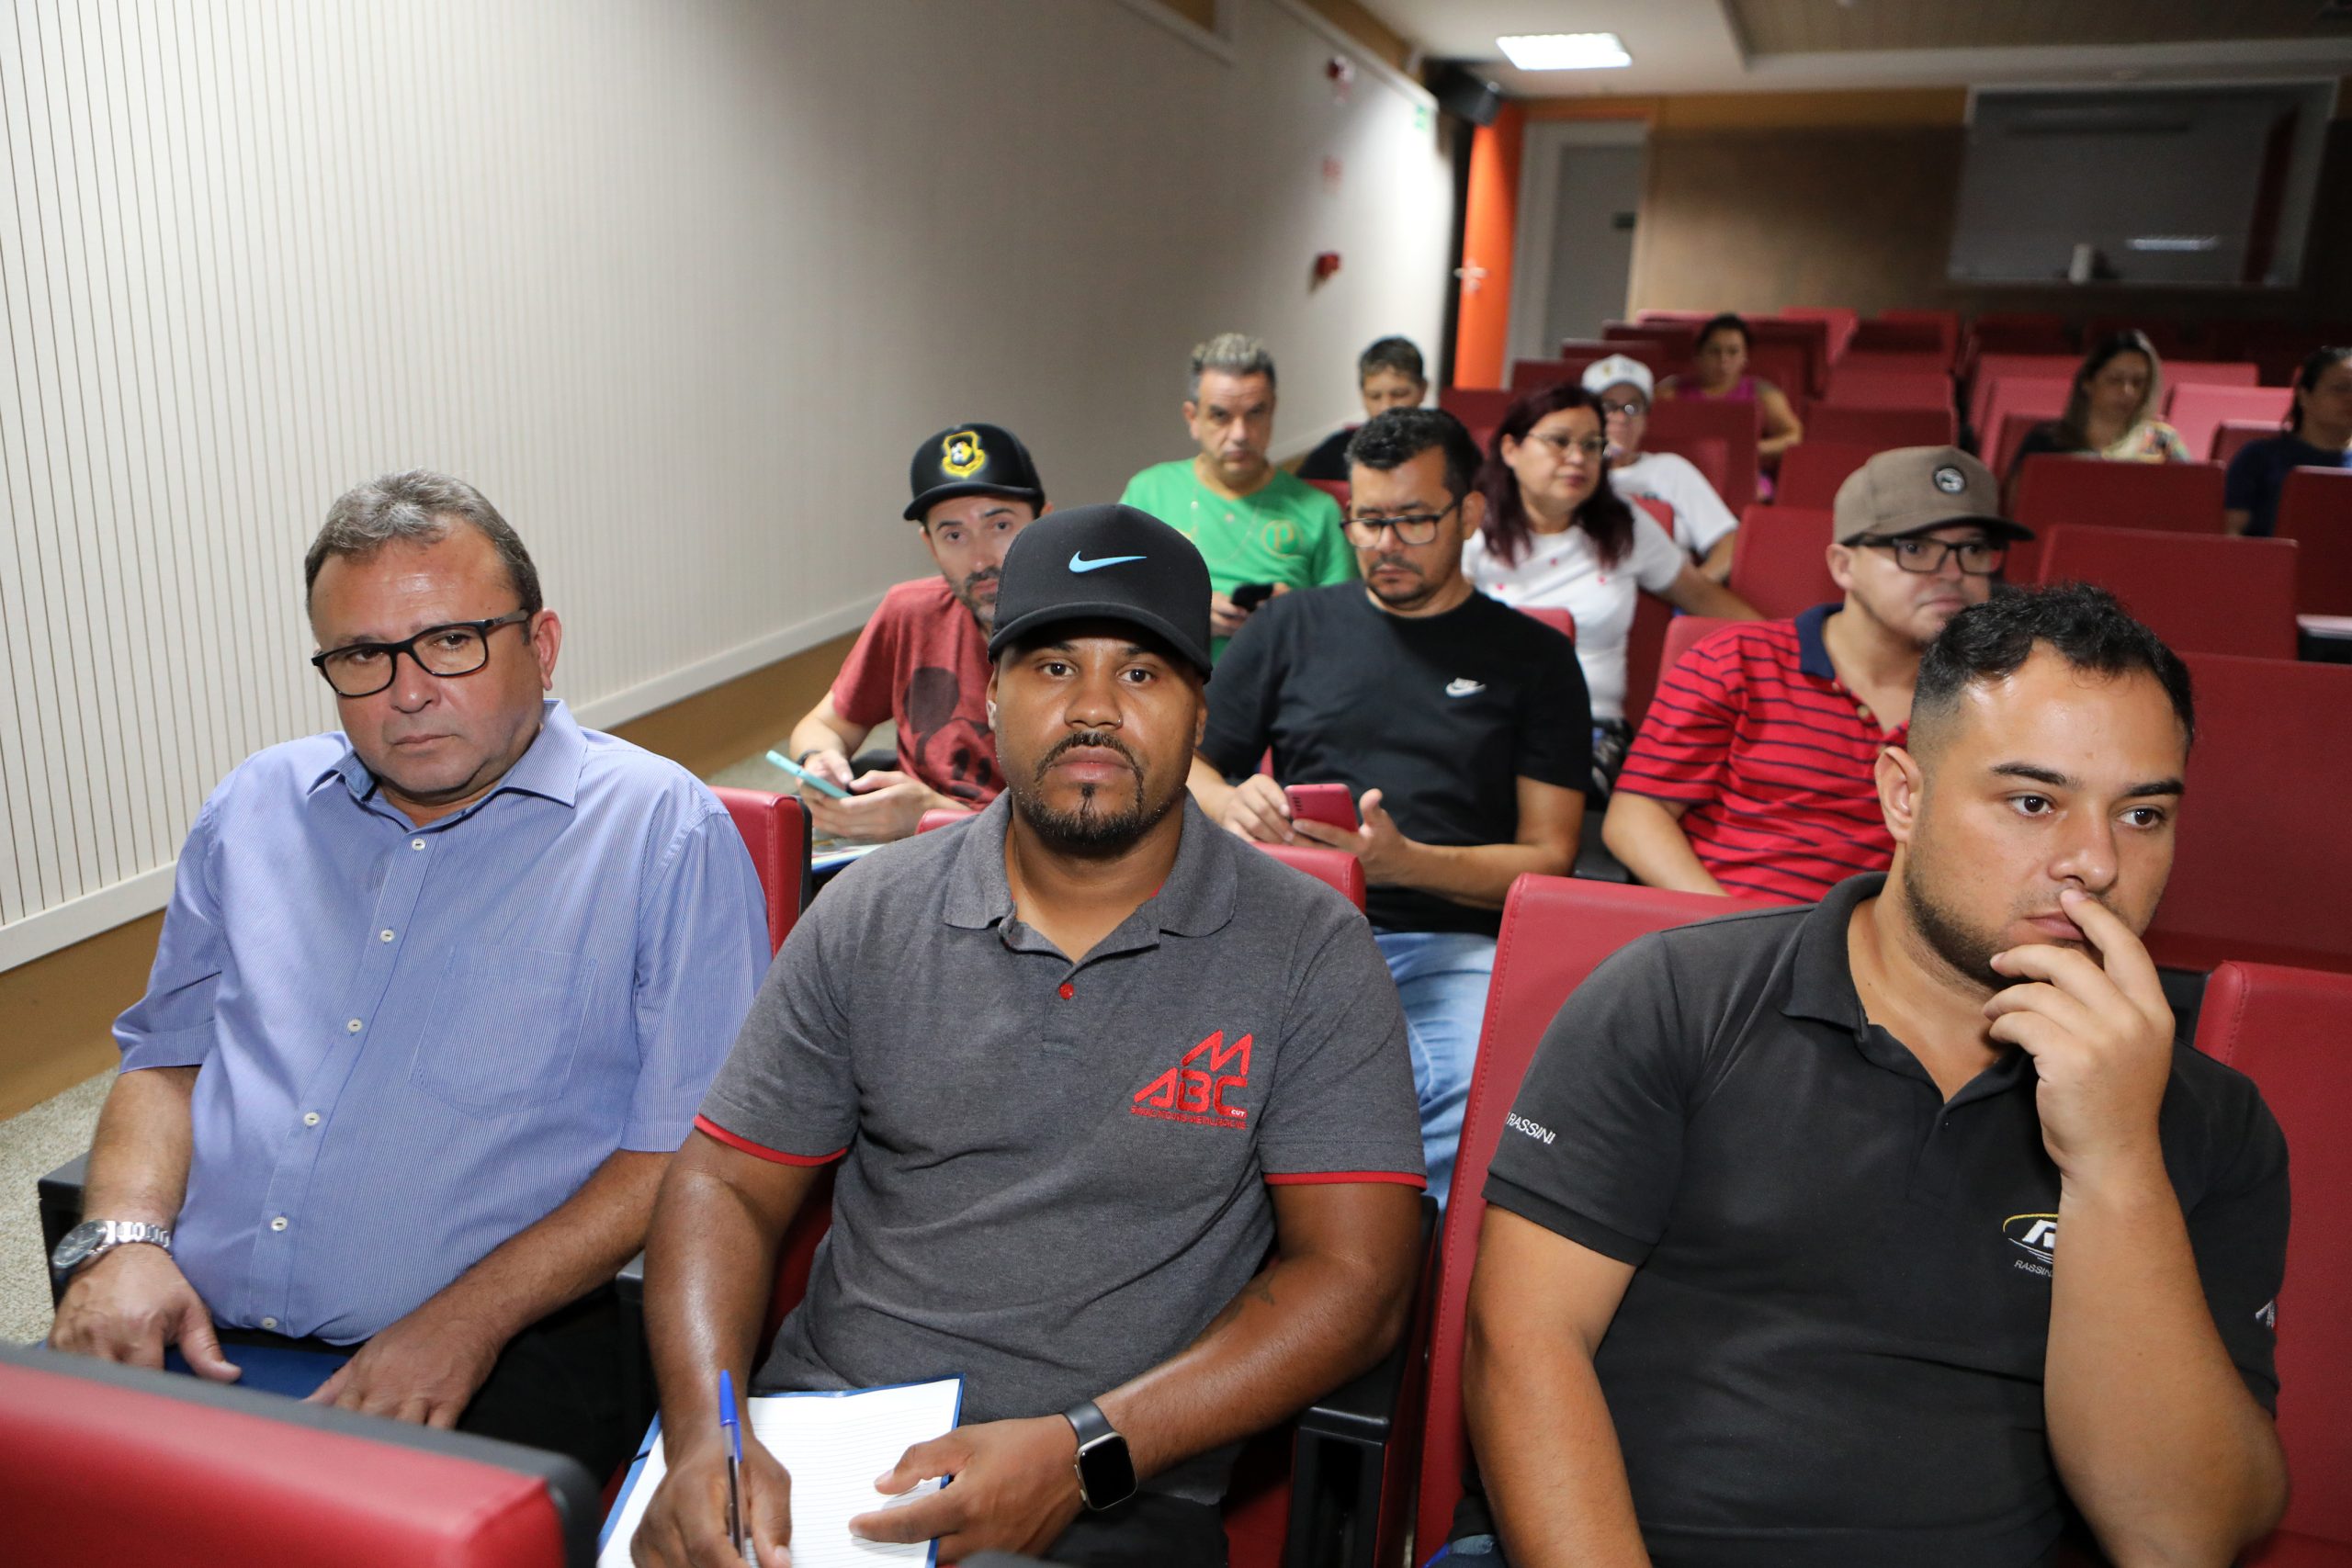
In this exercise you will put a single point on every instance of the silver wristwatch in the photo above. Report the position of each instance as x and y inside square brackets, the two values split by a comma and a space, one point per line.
[96, 1238]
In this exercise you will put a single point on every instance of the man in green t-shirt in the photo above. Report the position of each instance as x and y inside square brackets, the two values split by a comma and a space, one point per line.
[1251, 522]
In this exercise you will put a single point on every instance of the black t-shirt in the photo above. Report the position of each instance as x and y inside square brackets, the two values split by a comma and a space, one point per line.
[1441, 714]
[1329, 458]
[1832, 1348]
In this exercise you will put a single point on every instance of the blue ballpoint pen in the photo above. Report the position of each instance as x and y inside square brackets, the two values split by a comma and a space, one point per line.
[734, 1466]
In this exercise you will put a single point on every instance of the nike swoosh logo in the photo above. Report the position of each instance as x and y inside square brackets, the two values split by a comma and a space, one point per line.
[1077, 562]
[1463, 687]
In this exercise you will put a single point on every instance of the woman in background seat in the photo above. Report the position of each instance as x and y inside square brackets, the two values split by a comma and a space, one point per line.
[2111, 411]
[1722, 373]
[2318, 435]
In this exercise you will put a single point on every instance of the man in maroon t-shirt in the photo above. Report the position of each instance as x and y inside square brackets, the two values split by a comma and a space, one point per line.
[1754, 770]
[922, 661]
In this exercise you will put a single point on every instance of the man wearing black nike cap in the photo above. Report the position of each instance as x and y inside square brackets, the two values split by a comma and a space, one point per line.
[1082, 1061]
[922, 659]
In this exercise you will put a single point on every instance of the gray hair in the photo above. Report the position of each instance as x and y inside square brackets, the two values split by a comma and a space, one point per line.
[417, 508]
[1236, 353]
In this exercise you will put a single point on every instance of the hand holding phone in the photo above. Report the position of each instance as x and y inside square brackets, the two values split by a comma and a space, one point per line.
[1248, 596]
[809, 780]
[1330, 803]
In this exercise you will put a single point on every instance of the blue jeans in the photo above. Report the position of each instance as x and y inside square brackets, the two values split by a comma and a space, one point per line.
[1442, 979]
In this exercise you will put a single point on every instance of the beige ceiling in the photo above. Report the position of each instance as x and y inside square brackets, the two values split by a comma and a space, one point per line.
[1815, 26]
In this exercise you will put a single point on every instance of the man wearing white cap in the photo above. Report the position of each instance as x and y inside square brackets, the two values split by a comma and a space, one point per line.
[1703, 524]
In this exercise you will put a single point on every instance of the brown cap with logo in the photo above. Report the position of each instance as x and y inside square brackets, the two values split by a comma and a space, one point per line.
[1913, 488]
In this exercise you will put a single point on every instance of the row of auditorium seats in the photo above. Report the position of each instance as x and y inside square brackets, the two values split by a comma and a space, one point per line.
[141, 1463]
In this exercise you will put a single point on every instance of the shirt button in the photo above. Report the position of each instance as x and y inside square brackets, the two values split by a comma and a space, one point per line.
[354, 1027]
[1067, 991]
[416, 843]
[309, 1119]
[269, 1323]
[278, 1223]
[384, 935]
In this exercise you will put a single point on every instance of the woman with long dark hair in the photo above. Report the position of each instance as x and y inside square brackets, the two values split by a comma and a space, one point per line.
[2110, 410]
[2318, 435]
[1557, 535]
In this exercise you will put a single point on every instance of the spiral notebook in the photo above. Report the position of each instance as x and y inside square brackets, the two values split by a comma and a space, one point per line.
[833, 1445]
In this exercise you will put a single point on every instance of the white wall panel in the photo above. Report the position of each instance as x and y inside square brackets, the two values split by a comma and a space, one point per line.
[678, 283]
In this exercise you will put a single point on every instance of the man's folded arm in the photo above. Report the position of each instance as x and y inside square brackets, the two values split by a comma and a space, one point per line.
[1332, 1304]
[1546, 1447]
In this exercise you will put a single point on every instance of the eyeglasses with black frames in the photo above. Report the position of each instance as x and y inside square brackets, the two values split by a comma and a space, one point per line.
[1978, 557]
[364, 669]
[1413, 528]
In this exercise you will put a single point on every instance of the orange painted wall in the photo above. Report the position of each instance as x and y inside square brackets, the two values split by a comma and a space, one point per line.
[1489, 232]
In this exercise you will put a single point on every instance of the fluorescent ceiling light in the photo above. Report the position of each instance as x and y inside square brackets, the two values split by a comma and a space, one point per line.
[1564, 51]
[2175, 243]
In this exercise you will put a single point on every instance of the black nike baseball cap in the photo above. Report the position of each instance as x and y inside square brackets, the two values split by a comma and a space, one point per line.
[1110, 563]
[971, 460]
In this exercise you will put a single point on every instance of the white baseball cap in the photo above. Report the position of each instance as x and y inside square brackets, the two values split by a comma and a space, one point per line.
[1619, 371]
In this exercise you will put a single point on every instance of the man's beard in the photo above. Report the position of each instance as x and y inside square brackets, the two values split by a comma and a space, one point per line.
[1089, 830]
[1969, 951]
[1419, 593]
[966, 594]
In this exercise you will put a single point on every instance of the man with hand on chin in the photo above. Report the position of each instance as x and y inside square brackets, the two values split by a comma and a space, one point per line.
[1897, 1229]
[1460, 727]
[435, 1001]
[1082, 1061]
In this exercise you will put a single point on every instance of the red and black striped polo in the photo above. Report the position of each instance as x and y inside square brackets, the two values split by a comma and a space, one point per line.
[1772, 756]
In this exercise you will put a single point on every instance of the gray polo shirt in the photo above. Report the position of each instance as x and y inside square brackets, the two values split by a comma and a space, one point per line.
[1054, 1174]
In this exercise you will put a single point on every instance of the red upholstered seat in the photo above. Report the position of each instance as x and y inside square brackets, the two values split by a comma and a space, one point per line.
[1812, 470]
[2053, 489]
[2016, 372]
[2233, 436]
[1862, 381]
[1559, 617]
[1780, 558]
[776, 829]
[2203, 594]
[1843, 321]
[2287, 1030]
[1881, 429]
[1480, 410]
[1685, 426]
[2212, 372]
[1683, 631]
[940, 817]
[102, 1464]
[2263, 867]
[1336, 867]
[2197, 409]
[2315, 510]
[1556, 930]
[2014, 409]
[1336, 489]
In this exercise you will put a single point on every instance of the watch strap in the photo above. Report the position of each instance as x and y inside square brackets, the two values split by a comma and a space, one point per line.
[1086, 1419]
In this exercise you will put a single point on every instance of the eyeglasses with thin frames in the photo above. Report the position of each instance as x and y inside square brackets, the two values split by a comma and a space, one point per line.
[1978, 557]
[1413, 528]
[460, 648]
[1590, 445]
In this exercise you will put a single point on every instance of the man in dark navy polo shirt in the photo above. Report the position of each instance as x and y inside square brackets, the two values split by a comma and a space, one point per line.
[1897, 1229]
[1753, 773]
[1081, 1061]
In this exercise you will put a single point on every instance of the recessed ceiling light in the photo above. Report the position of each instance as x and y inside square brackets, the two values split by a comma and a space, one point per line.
[1564, 51]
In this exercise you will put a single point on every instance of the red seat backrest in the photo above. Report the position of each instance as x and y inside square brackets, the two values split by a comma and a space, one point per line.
[2014, 407]
[1882, 428]
[2212, 373]
[1863, 381]
[1787, 367]
[1800, 347]
[1337, 490]
[2203, 594]
[2197, 410]
[2315, 510]
[1780, 558]
[2286, 1029]
[2262, 865]
[2054, 489]
[1678, 338]
[1559, 617]
[1683, 631]
[1480, 410]
[1646, 639]
[1812, 470]
[1335, 867]
[776, 829]
[109, 1464]
[1556, 931]
[1842, 321]
[1657, 347]
[1996, 370]
[2233, 436]
[1683, 425]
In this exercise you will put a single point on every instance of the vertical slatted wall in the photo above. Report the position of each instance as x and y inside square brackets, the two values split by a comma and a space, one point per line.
[666, 278]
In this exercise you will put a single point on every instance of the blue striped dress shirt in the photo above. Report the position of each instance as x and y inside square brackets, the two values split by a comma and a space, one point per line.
[416, 1041]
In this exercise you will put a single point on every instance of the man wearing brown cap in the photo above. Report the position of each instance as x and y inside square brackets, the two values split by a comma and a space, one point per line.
[922, 659]
[1752, 774]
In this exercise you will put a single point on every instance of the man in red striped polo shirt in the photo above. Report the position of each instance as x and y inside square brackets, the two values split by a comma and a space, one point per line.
[1753, 770]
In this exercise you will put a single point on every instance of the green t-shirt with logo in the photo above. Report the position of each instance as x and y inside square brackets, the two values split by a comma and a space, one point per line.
[1286, 531]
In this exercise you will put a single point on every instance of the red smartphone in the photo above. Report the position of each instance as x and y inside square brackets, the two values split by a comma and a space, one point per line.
[1326, 803]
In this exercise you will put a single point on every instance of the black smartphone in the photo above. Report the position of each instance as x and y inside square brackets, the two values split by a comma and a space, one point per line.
[1249, 595]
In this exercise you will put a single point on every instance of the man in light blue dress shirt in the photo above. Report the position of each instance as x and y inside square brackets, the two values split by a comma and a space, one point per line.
[436, 998]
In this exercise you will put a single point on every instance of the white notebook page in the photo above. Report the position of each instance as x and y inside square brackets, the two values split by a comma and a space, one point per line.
[832, 1445]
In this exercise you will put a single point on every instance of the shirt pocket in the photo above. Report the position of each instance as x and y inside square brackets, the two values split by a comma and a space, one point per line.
[504, 1030]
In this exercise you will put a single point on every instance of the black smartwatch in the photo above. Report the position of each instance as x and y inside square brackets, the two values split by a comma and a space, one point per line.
[1107, 1475]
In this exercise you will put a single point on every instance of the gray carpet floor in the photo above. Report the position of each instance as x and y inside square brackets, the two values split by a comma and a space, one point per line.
[33, 1144]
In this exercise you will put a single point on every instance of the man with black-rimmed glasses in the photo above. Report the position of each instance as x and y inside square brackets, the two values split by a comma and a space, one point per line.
[1752, 774]
[436, 998]
[1460, 727]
